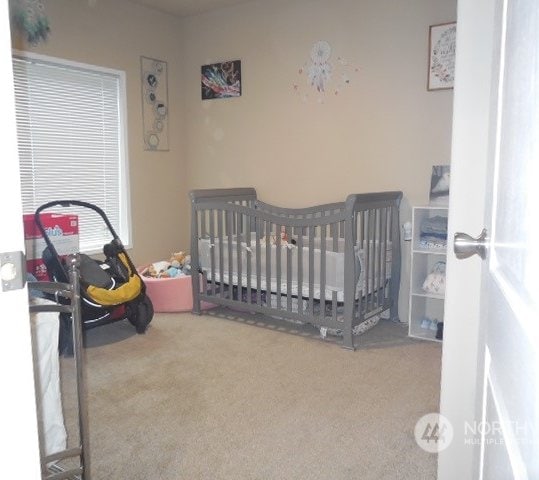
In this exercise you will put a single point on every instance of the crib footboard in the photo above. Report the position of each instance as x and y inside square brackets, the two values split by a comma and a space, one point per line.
[334, 266]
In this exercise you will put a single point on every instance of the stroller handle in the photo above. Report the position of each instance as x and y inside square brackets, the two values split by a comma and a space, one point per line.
[65, 204]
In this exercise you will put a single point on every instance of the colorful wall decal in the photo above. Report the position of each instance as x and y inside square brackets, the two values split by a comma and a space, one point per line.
[221, 80]
[322, 77]
[154, 103]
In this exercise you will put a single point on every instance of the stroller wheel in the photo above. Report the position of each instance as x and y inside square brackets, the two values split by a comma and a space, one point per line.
[141, 314]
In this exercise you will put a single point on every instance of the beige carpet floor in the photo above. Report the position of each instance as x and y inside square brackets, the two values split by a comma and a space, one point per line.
[227, 397]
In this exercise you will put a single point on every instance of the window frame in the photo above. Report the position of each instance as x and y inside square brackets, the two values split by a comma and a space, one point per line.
[125, 230]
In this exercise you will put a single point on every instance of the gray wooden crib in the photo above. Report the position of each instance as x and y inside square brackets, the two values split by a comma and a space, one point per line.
[334, 266]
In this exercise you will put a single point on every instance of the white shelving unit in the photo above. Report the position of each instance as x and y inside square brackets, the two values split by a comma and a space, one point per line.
[424, 305]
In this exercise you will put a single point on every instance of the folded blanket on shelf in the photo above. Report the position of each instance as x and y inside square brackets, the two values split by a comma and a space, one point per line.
[435, 226]
[430, 241]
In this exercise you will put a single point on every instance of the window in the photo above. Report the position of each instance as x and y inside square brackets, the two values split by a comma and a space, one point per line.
[72, 142]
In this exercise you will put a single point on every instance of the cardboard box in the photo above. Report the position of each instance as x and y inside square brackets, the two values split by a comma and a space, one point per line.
[62, 230]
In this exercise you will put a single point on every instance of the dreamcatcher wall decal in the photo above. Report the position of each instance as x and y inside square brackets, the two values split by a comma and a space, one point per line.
[320, 77]
[28, 16]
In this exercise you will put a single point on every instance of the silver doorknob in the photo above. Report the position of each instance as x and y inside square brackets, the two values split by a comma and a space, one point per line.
[465, 246]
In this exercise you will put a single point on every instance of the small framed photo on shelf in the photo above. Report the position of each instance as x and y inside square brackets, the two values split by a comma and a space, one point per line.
[439, 185]
[442, 46]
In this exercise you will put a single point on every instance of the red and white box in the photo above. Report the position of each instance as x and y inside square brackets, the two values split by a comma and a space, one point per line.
[63, 232]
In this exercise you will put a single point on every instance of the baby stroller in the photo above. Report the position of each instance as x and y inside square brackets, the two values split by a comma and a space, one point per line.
[111, 290]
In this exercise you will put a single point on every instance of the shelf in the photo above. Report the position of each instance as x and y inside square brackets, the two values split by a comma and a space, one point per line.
[431, 251]
[428, 295]
[428, 335]
[426, 308]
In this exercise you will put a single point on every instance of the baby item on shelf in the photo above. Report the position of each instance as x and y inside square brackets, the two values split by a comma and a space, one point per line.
[433, 232]
[429, 323]
[435, 281]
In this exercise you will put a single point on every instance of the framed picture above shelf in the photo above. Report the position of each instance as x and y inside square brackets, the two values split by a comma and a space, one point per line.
[442, 46]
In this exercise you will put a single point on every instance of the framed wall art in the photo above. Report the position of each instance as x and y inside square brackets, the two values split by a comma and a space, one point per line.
[154, 103]
[439, 185]
[221, 80]
[442, 45]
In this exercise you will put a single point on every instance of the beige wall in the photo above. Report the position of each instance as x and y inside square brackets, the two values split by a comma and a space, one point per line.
[382, 131]
[115, 34]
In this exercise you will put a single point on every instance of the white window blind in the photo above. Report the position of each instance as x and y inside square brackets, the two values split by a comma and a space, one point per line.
[72, 143]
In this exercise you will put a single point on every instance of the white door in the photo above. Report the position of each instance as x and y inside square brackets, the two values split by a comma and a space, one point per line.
[496, 382]
[19, 452]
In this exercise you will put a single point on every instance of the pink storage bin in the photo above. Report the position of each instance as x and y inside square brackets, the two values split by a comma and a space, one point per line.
[171, 294]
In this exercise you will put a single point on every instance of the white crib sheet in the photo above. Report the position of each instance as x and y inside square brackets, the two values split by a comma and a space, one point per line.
[334, 277]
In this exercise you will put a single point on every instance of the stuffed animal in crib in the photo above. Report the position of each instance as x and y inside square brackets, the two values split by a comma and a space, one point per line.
[273, 239]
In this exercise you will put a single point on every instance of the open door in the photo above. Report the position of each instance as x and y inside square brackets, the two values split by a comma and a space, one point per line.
[19, 451]
[498, 423]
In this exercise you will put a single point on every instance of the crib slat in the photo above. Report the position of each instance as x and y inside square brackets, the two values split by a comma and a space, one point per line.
[372, 261]
[363, 246]
[200, 215]
[299, 246]
[375, 262]
[278, 265]
[384, 254]
[258, 234]
[334, 306]
[220, 214]
[212, 250]
[230, 239]
[268, 263]
[379, 252]
[288, 233]
[249, 257]
[323, 233]
[239, 253]
[333, 234]
[311, 271]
